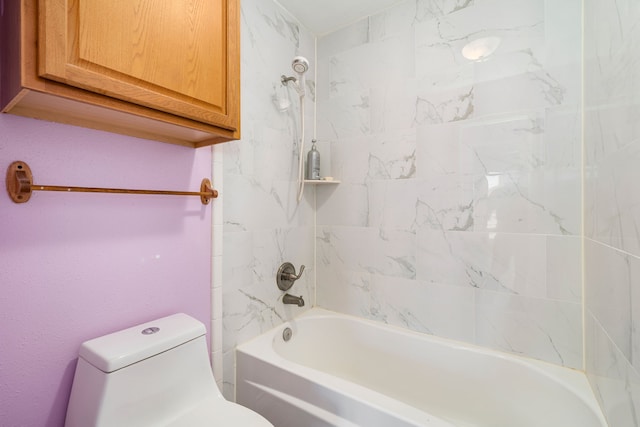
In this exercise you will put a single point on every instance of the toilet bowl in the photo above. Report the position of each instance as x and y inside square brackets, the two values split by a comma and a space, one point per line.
[154, 374]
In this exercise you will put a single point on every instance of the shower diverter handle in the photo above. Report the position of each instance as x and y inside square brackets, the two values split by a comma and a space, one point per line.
[287, 275]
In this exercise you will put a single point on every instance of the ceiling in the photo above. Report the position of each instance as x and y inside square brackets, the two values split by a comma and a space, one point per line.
[324, 16]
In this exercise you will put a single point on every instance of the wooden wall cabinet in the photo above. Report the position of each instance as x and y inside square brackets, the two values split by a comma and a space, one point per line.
[167, 70]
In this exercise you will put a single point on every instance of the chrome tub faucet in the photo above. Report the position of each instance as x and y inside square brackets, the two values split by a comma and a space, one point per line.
[290, 299]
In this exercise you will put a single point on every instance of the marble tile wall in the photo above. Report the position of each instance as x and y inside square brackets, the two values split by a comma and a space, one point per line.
[612, 214]
[460, 208]
[459, 212]
[262, 224]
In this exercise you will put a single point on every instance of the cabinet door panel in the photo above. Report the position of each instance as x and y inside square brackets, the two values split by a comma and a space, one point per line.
[169, 55]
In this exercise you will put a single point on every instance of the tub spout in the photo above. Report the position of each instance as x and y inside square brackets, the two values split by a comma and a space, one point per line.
[290, 299]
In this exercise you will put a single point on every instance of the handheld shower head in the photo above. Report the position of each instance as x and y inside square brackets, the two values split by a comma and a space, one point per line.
[300, 64]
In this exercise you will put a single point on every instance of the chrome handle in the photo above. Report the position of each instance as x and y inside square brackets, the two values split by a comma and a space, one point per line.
[292, 276]
[287, 275]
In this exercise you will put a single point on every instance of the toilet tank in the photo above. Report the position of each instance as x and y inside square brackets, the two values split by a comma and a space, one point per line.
[146, 375]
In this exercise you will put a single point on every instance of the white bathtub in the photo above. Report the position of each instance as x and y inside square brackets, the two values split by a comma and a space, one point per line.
[339, 370]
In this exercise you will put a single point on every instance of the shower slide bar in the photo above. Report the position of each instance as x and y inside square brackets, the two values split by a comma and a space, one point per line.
[20, 186]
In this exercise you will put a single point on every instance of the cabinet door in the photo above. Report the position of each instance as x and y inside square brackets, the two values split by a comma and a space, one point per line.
[176, 56]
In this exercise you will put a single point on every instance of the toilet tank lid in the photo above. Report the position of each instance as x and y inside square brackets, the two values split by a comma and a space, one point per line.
[123, 348]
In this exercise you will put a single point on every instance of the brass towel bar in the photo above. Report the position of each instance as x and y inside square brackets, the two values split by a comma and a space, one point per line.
[20, 186]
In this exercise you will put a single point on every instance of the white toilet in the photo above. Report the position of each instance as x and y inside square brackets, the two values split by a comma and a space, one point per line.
[155, 374]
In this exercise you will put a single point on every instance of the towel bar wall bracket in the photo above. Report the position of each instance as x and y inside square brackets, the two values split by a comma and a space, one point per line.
[20, 186]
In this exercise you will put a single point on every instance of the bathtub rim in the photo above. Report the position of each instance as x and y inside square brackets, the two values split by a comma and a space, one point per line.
[573, 380]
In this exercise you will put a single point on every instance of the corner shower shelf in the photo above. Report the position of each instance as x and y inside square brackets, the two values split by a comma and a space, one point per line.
[320, 182]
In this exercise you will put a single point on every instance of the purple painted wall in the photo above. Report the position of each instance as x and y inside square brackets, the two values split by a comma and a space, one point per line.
[74, 266]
